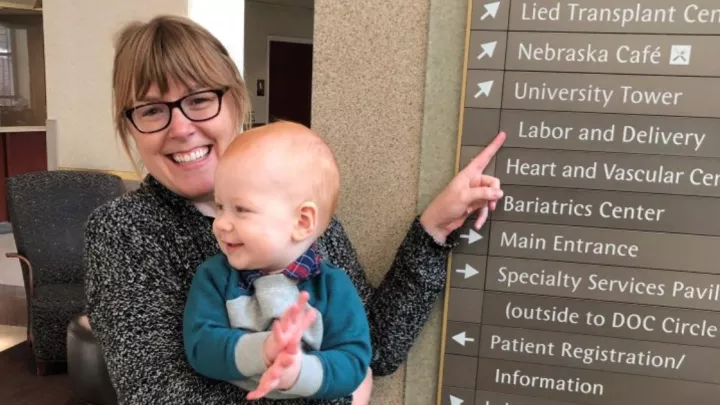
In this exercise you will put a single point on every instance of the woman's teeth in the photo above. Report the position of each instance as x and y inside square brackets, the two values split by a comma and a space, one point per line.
[193, 155]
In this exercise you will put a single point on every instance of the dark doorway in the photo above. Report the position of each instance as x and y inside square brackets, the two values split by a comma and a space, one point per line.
[289, 84]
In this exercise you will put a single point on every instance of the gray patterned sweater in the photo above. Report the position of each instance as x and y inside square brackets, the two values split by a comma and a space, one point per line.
[141, 253]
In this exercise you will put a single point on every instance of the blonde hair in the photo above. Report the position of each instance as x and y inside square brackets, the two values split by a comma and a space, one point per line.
[171, 47]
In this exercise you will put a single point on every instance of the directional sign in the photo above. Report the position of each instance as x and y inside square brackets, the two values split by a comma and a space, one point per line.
[456, 401]
[468, 271]
[484, 88]
[488, 49]
[462, 338]
[471, 236]
[491, 10]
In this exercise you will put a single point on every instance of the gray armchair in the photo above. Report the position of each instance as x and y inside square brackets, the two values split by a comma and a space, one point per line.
[48, 212]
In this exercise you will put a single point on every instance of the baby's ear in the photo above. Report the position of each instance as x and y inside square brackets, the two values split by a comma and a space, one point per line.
[307, 221]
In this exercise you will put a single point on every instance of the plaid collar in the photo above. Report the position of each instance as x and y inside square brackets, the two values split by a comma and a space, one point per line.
[303, 268]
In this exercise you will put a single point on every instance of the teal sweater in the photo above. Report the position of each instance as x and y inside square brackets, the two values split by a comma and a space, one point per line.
[226, 323]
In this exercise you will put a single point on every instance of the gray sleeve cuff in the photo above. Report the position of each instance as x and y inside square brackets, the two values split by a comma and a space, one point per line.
[310, 378]
[250, 354]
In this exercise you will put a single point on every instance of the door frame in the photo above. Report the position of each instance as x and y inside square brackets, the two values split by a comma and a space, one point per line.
[275, 38]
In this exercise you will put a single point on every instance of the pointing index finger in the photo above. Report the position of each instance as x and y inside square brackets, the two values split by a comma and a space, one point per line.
[481, 161]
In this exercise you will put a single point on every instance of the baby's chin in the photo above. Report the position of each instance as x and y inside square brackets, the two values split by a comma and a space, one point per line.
[247, 265]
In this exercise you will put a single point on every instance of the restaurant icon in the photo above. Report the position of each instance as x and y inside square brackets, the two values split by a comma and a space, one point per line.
[680, 54]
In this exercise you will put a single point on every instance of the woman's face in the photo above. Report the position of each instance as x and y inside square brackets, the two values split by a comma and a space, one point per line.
[183, 156]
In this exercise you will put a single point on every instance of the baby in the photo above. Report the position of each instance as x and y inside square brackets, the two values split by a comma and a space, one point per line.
[303, 327]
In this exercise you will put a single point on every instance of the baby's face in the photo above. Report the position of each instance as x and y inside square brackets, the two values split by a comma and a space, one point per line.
[254, 218]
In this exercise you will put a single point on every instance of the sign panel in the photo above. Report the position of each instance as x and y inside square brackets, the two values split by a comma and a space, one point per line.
[596, 279]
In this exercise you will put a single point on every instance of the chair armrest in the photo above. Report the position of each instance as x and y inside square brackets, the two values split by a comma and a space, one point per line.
[30, 269]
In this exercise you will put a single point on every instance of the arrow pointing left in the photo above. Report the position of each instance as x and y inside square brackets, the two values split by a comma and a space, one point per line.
[462, 338]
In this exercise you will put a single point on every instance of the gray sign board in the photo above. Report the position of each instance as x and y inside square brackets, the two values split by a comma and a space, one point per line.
[604, 283]
[610, 171]
[590, 387]
[496, 398]
[639, 134]
[584, 92]
[609, 209]
[603, 354]
[596, 279]
[597, 318]
[667, 251]
[616, 16]
[669, 55]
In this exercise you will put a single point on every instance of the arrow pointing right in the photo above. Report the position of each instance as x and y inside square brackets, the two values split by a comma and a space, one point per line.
[484, 88]
[455, 400]
[468, 271]
[471, 236]
[488, 49]
[491, 10]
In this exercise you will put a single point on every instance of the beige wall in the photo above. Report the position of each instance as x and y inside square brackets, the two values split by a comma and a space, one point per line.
[388, 103]
[78, 60]
[268, 19]
[386, 93]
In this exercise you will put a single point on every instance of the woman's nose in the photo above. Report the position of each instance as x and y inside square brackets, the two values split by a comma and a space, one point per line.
[180, 126]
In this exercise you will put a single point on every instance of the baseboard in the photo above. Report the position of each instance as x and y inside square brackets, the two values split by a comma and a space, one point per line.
[16, 291]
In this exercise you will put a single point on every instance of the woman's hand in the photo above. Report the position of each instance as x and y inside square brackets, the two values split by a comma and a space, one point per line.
[470, 190]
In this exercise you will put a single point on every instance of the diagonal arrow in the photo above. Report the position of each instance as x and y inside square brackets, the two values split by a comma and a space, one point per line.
[455, 400]
[488, 49]
[484, 88]
[462, 338]
[471, 236]
[491, 10]
[468, 271]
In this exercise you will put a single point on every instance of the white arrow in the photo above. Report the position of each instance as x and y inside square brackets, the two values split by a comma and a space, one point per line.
[488, 49]
[491, 10]
[455, 400]
[485, 88]
[462, 338]
[471, 236]
[468, 271]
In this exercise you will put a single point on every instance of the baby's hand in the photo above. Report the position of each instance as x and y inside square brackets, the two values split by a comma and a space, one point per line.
[288, 330]
[282, 349]
[281, 375]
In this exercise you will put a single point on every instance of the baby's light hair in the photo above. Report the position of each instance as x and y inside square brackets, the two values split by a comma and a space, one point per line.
[312, 173]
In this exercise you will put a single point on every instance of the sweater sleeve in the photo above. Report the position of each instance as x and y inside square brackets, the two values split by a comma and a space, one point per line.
[342, 362]
[134, 304]
[399, 307]
[212, 346]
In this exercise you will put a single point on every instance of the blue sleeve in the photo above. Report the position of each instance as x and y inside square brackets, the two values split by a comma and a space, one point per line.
[346, 349]
[213, 348]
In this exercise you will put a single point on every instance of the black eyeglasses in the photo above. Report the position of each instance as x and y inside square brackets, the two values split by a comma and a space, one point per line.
[200, 106]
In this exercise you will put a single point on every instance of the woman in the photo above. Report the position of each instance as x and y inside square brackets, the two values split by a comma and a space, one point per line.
[143, 248]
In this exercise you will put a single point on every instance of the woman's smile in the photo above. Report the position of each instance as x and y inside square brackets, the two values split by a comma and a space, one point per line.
[191, 156]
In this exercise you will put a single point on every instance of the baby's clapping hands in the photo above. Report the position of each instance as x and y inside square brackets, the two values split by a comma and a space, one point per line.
[283, 354]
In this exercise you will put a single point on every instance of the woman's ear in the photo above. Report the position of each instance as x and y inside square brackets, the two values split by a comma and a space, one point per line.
[307, 221]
